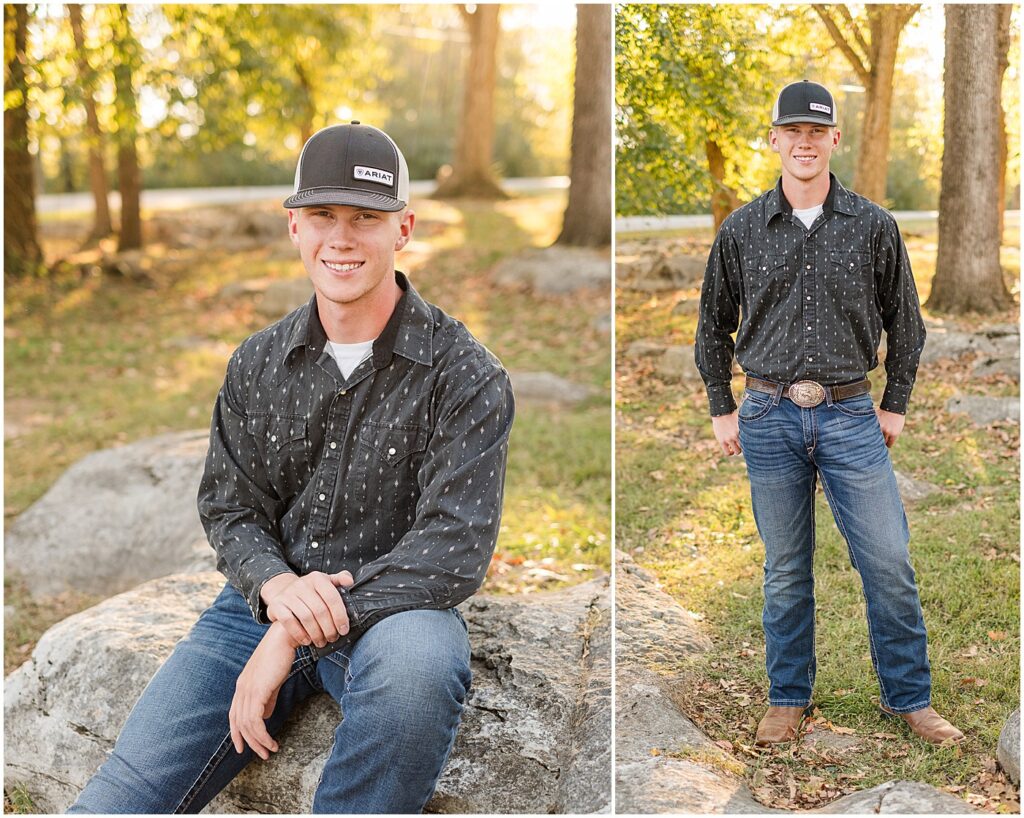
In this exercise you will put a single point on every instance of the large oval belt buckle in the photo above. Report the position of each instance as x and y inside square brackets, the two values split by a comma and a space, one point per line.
[807, 394]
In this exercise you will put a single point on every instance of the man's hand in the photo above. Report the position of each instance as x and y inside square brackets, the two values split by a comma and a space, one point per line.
[727, 432]
[892, 425]
[309, 607]
[256, 692]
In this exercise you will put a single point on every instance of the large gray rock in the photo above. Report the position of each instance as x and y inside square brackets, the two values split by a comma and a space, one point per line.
[996, 342]
[535, 736]
[677, 364]
[1008, 751]
[667, 271]
[556, 270]
[663, 762]
[116, 518]
[546, 387]
[913, 490]
[900, 798]
[985, 409]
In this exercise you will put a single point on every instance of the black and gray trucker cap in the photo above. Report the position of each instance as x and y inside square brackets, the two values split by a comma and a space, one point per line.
[352, 164]
[804, 101]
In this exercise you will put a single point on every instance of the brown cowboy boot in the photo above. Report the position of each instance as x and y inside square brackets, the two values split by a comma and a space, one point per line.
[779, 725]
[929, 725]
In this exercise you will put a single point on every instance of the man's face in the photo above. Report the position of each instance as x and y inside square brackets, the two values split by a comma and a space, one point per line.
[805, 148]
[349, 252]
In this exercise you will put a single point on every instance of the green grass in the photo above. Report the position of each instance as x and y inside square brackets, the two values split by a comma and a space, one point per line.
[683, 512]
[97, 361]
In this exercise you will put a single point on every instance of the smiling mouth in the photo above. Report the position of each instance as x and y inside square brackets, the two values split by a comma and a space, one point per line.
[805, 160]
[343, 268]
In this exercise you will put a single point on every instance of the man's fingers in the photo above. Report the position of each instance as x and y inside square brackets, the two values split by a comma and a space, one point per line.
[343, 579]
[337, 620]
[294, 628]
[308, 620]
[236, 734]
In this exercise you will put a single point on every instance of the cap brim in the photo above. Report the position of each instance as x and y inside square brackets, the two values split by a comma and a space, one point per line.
[344, 196]
[817, 119]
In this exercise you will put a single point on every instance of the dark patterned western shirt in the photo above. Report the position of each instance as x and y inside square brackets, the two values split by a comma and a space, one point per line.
[394, 474]
[809, 304]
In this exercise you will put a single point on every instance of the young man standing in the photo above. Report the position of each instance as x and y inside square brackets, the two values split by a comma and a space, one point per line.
[807, 276]
[353, 492]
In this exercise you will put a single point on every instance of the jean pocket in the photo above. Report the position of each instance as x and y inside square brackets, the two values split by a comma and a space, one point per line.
[755, 406]
[860, 406]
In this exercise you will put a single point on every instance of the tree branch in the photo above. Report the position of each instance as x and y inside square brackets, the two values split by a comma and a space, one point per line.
[854, 26]
[855, 61]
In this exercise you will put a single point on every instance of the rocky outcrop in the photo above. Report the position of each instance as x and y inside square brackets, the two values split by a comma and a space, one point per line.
[985, 409]
[1008, 751]
[664, 763]
[913, 490]
[556, 270]
[546, 387]
[535, 735]
[900, 798]
[116, 518]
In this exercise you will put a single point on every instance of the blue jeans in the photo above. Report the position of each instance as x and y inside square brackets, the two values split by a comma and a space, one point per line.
[787, 449]
[401, 688]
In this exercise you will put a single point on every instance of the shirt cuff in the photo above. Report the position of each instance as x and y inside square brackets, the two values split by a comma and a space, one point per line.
[258, 570]
[720, 399]
[895, 398]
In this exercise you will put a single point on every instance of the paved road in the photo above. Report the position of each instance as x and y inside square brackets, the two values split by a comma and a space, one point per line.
[178, 198]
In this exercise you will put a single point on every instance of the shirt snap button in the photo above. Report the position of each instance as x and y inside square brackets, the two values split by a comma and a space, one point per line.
[273, 438]
[323, 496]
[314, 544]
[391, 450]
[334, 445]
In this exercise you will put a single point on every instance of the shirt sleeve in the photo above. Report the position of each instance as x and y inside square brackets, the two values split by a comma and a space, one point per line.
[719, 318]
[901, 318]
[237, 505]
[442, 560]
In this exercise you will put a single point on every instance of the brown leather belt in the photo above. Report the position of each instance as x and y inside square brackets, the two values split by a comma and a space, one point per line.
[808, 394]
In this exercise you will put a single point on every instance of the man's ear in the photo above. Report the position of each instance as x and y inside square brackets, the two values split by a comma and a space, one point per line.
[293, 227]
[773, 140]
[405, 228]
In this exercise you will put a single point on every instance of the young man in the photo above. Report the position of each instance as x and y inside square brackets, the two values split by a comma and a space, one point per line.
[352, 492]
[807, 276]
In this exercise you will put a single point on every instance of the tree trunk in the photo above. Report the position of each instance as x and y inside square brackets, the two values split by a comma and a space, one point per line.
[968, 277]
[471, 175]
[101, 224]
[723, 199]
[128, 174]
[873, 58]
[1003, 53]
[22, 253]
[588, 214]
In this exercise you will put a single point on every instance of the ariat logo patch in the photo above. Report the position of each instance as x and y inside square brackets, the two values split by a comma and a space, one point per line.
[381, 177]
[817, 106]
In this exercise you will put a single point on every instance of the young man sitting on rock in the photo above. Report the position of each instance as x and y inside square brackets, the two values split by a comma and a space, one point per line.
[352, 492]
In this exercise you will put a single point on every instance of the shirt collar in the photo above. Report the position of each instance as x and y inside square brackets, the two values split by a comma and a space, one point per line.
[838, 199]
[409, 331]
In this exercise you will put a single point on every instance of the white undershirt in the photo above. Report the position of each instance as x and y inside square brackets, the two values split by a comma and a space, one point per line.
[808, 215]
[349, 356]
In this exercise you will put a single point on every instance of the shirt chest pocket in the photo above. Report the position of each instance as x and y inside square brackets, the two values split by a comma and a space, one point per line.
[852, 274]
[282, 444]
[768, 275]
[388, 459]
